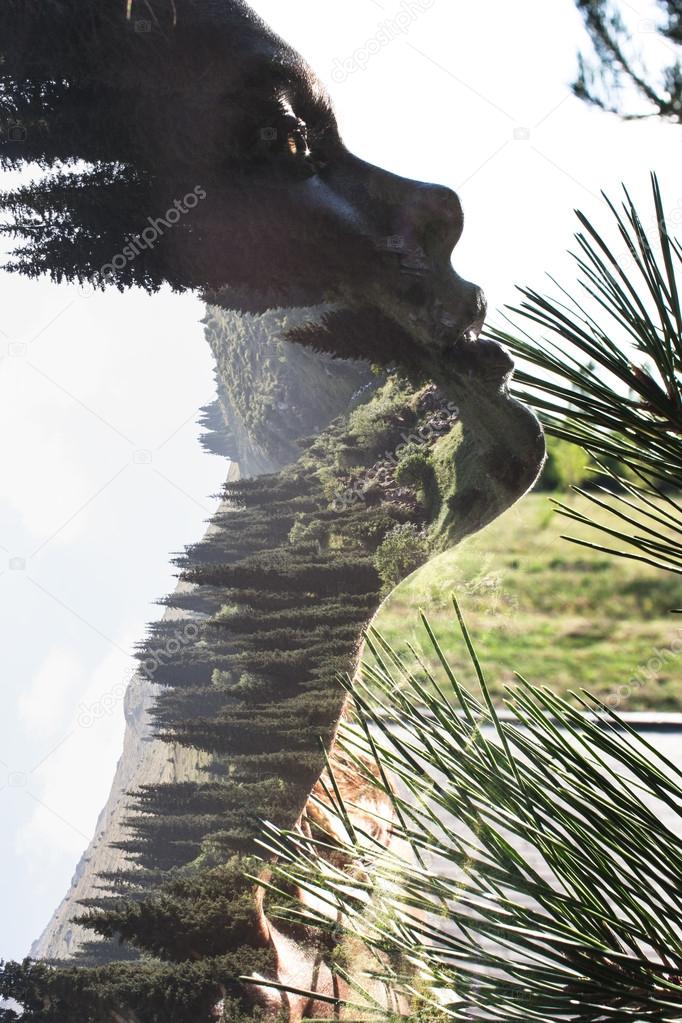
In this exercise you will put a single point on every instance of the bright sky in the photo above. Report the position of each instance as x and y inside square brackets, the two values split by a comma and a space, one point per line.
[101, 475]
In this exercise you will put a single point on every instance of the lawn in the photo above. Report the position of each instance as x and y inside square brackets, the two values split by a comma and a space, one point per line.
[560, 614]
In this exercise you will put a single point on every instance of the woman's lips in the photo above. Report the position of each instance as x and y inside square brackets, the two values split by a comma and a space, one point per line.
[446, 317]
[481, 359]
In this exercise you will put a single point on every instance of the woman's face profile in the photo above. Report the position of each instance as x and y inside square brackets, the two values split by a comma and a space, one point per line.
[200, 97]
[184, 143]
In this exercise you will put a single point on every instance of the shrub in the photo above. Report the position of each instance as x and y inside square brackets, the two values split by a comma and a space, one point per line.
[567, 466]
[402, 551]
[416, 470]
[377, 426]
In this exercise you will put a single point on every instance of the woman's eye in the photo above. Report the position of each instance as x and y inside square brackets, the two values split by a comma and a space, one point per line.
[297, 139]
[285, 146]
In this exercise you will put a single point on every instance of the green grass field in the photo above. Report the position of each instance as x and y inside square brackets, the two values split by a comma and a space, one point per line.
[559, 614]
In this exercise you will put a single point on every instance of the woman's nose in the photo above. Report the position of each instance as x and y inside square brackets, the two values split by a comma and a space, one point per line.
[476, 307]
[462, 308]
[431, 220]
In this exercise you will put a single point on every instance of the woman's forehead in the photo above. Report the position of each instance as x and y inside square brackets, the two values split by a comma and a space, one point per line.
[270, 66]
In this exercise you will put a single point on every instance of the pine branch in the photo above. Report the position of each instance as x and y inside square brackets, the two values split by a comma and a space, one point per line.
[545, 885]
[624, 407]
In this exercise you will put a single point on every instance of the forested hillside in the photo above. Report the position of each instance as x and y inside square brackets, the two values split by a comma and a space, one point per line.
[270, 392]
[271, 604]
[278, 594]
[244, 349]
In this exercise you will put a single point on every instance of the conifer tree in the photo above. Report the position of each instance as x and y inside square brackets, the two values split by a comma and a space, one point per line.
[150, 991]
[204, 915]
[617, 67]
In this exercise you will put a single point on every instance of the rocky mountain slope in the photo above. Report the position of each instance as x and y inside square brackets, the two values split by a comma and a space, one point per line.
[270, 394]
[144, 761]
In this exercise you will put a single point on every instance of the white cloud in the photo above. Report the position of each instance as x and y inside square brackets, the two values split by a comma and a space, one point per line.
[45, 705]
[42, 475]
[69, 786]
